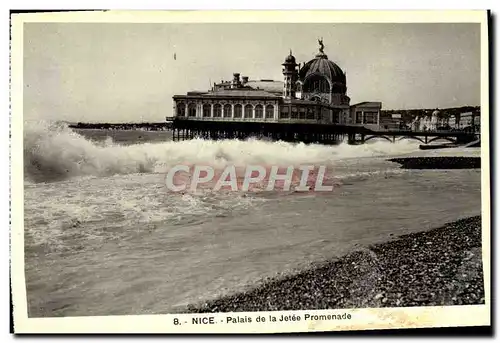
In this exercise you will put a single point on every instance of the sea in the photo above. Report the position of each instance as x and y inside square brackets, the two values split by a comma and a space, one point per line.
[105, 236]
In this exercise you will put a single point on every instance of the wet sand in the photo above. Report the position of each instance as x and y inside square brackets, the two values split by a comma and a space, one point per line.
[442, 266]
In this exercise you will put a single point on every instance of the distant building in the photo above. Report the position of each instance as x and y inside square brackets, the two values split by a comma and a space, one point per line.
[452, 122]
[366, 113]
[477, 120]
[465, 120]
[434, 121]
[311, 92]
[394, 122]
[430, 122]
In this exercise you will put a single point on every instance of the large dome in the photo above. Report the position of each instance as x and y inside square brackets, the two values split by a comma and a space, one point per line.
[323, 66]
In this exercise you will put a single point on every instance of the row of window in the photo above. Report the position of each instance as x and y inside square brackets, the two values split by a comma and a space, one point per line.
[226, 111]
[370, 117]
[297, 113]
[309, 113]
[259, 112]
[317, 84]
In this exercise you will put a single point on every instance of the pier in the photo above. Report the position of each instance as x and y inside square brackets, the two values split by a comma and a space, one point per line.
[319, 133]
[162, 126]
[426, 137]
[288, 132]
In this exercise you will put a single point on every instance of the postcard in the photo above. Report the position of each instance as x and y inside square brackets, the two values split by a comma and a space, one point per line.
[249, 171]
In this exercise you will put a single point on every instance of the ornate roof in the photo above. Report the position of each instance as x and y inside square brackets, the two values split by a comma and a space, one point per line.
[241, 93]
[323, 66]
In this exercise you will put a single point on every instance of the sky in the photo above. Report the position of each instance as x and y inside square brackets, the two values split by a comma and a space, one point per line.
[125, 72]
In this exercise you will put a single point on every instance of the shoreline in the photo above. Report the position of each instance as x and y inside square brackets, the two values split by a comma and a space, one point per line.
[438, 267]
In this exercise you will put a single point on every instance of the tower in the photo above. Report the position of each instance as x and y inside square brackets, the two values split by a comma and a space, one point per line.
[290, 75]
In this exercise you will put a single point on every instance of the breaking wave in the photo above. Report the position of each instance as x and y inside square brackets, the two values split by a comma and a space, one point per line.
[53, 152]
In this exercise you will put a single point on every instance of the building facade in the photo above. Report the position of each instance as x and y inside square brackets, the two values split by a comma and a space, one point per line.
[394, 122]
[366, 113]
[314, 92]
[465, 120]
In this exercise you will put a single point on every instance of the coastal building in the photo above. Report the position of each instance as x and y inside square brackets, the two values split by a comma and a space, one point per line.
[428, 122]
[393, 122]
[313, 92]
[469, 119]
[452, 122]
[465, 120]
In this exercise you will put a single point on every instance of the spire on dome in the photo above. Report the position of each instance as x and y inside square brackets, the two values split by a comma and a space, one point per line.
[321, 45]
[321, 53]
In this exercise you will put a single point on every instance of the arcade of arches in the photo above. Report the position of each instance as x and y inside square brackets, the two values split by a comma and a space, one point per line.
[225, 110]
[258, 111]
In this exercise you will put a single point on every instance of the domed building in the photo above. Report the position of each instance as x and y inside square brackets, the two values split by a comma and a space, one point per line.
[314, 92]
[322, 80]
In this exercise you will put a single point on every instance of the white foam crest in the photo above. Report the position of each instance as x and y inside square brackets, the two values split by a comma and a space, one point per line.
[54, 152]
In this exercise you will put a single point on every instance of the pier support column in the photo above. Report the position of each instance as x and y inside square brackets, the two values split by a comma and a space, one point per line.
[350, 138]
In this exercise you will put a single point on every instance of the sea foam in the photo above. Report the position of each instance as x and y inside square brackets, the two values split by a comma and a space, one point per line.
[53, 152]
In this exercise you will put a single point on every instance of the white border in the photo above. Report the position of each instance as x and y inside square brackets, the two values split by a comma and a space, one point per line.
[365, 318]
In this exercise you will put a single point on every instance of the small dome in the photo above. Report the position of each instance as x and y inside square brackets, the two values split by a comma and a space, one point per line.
[290, 59]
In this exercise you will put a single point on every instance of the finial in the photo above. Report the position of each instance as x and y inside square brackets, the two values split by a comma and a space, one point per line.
[290, 52]
[321, 45]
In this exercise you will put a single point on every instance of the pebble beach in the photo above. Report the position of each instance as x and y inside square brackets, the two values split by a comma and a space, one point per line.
[442, 266]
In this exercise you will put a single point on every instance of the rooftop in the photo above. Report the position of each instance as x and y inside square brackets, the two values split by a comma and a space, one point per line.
[266, 85]
[246, 92]
[368, 103]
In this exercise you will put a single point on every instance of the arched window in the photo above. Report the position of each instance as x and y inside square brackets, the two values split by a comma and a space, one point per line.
[237, 111]
[227, 111]
[316, 83]
[248, 111]
[192, 110]
[181, 109]
[217, 111]
[325, 114]
[302, 113]
[295, 114]
[259, 111]
[335, 116]
[269, 112]
[284, 113]
[207, 110]
[310, 113]
[318, 113]
[339, 88]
